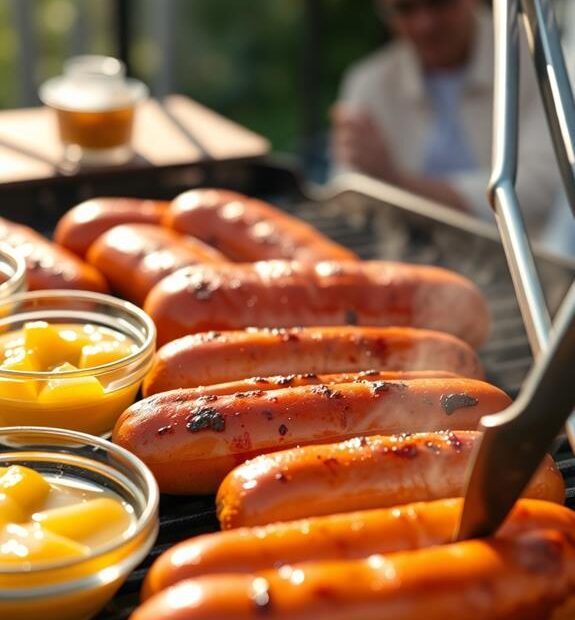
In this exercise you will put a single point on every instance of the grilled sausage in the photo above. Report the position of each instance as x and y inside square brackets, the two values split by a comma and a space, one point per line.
[246, 229]
[358, 474]
[203, 439]
[134, 257]
[336, 537]
[212, 357]
[84, 223]
[265, 384]
[518, 578]
[287, 294]
[49, 266]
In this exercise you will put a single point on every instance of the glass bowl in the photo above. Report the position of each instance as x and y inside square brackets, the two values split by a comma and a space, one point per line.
[77, 589]
[78, 402]
[12, 272]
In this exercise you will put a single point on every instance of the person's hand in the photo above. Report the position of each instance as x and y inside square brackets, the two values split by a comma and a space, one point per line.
[359, 143]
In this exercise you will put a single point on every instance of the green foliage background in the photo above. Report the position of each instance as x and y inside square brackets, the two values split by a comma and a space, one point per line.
[244, 58]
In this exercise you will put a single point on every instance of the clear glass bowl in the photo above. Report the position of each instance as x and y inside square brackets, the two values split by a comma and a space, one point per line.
[12, 272]
[77, 589]
[120, 379]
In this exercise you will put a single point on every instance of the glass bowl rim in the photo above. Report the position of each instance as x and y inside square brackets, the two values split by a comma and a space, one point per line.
[89, 296]
[150, 490]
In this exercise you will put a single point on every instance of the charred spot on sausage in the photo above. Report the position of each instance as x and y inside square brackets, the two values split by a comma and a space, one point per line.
[451, 402]
[285, 380]
[208, 398]
[206, 418]
[324, 390]
[282, 430]
[351, 317]
[251, 394]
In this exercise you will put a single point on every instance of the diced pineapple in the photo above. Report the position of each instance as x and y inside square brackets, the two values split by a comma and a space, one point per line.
[32, 543]
[69, 390]
[19, 389]
[53, 345]
[10, 510]
[93, 523]
[25, 486]
[105, 352]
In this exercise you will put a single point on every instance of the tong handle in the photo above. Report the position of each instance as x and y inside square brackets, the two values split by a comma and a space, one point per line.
[515, 441]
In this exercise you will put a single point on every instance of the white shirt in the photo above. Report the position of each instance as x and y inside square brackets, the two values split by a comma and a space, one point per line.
[391, 86]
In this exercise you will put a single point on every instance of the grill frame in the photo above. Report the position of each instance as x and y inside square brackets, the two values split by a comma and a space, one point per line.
[377, 221]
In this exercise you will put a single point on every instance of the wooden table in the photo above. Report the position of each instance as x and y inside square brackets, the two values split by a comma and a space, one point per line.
[178, 144]
[177, 132]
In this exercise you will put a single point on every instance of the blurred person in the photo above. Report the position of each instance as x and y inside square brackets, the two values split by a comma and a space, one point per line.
[418, 113]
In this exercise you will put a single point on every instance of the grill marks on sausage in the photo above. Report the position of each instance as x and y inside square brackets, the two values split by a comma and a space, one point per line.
[451, 402]
[205, 418]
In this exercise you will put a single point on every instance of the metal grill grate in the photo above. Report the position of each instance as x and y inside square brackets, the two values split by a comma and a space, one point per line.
[375, 229]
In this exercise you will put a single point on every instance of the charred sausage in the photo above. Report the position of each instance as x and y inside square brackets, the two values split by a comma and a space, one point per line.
[48, 266]
[245, 229]
[84, 223]
[213, 357]
[336, 537]
[287, 294]
[204, 438]
[276, 382]
[134, 257]
[362, 473]
[523, 577]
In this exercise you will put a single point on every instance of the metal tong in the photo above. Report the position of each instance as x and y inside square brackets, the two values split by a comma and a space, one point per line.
[516, 440]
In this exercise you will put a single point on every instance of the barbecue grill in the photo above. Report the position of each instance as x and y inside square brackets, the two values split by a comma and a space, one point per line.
[379, 221]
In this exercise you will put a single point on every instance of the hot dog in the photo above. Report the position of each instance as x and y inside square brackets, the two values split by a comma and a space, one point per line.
[286, 294]
[358, 474]
[245, 229]
[203, 439]
[336, 537]
[265, 384]
[84, 223]
[49, 266]
[134, 257]
[212, 357]
[517, 578]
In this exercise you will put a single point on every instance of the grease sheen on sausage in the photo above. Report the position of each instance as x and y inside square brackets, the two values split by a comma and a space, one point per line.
[358, 474]
[336, 537]
[287, 294]
[517, 578]
[84, 223]
[212, 357]
[245, 229]
[135, 257]
[202, 439]
[296, 380]
[48, 266]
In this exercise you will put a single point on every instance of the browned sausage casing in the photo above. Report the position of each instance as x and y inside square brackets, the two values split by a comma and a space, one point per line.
[362, 473]
[336, 537]
[265, 384]
[49, 266]
[134, 257]
[287, 294]
[523, 577]
[203, 439]
[211, 357]
[245, 229]
[84, 223]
